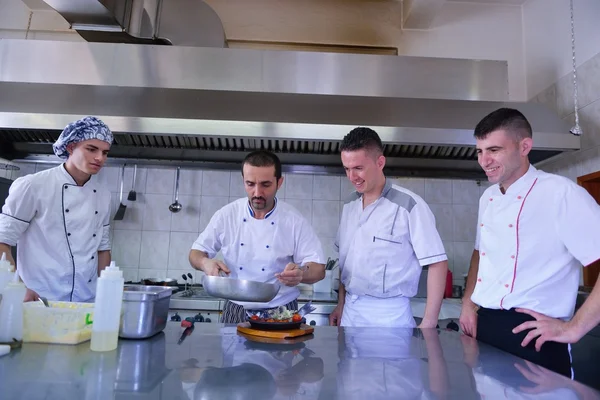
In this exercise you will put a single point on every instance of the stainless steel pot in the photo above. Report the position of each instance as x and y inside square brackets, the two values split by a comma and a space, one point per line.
[239, 289]
[145, 311]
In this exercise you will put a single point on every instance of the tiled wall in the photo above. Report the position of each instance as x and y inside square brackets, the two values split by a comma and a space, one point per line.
[559, 97]
[152, 242]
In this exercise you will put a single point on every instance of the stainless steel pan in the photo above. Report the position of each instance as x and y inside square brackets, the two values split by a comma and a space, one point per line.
[240, 289]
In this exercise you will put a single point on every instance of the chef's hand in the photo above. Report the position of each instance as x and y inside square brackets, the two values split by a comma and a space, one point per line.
[468, 319]
[211, 267]
[291, 276]
[30, 295]
[335, 318]
[545, 329]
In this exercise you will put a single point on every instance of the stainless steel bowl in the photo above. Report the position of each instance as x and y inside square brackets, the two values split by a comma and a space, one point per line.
[240, 289]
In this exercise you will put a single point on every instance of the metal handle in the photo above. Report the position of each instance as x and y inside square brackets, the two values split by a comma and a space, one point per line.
[134, 176]
[177, 185]
[122, 180]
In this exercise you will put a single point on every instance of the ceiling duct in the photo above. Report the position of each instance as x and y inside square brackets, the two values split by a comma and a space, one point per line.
[170, 22]
[190, 105]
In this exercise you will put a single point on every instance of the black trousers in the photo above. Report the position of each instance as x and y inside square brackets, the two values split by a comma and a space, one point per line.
[494, 327]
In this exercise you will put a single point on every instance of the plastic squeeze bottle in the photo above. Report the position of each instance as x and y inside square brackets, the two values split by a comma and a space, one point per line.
[11, 311]
[107, 309]
[6, 272]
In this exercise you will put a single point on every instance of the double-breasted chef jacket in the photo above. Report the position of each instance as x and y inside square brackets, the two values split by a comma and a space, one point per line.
[257, 249]
[58, 228]
[532, 241]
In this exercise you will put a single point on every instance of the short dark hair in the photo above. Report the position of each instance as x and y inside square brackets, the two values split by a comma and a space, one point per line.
[508, 119]
[362, 138]
[263, 158]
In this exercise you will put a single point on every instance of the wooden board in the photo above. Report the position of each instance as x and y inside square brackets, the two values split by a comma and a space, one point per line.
[292, 333]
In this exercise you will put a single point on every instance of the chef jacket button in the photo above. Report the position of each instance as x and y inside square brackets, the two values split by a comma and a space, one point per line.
[94, 190]
[506, 285]
[92, 257]
[510, 225]
[263, 269]
[267, 246]
[491, 199]
[478, 279]
[244, 219]
[241, 244]
[272, 223]
[519, 197]
[241, 268]
[68, 234]
[67, 210]
[483, 254]
[512, 256]
[94, 235]
[96, 212]
[481, 225]
[66, 187]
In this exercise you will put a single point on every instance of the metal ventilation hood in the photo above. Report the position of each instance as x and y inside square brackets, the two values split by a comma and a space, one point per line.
[199, 105]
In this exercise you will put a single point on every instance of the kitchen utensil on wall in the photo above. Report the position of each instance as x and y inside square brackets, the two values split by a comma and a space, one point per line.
[121, 211]
[132, 196]
[176, 206]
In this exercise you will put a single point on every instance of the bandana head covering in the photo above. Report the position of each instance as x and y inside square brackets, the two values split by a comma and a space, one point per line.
[84, 129]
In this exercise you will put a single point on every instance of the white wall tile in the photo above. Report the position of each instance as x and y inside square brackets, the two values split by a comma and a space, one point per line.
[444, 220]
[208, 206]
[325, 219]
[236, 185]
[188, 219]
[415, 185]
[326, 187]
[154, 252]
[179, 250]
[140, 180]
[126, 247]
[303, 206]
[130, 274]
[298, 186]
[145, 273]
[216, 183]
[160, 181]
[465, 192]
[438, 191]
[190, 182]
[110, 178]
[465, 223]
[157, 216]
[483, 187]
[462, 258]
[347, 188]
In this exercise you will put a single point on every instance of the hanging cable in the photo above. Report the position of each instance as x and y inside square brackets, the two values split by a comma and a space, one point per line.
[576, 129]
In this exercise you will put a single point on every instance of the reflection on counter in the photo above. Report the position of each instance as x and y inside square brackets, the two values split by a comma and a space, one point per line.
[215, 362]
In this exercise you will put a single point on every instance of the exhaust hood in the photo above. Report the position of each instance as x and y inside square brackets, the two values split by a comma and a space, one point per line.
[208, 106]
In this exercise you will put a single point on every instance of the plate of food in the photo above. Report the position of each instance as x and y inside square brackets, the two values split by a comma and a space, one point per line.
[279, 319]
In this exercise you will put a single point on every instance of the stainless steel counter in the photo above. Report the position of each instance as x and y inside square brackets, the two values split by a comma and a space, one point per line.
[214, 362]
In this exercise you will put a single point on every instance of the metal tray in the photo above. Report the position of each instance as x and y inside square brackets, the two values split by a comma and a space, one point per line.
[275, 326]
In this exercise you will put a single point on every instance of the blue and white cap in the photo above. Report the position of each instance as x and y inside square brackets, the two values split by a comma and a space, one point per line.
[84, 129]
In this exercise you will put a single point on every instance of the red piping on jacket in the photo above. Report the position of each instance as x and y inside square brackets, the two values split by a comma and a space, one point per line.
[512, 286]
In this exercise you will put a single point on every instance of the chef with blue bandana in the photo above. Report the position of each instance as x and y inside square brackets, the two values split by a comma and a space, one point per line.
[262, 239]
[59, 218]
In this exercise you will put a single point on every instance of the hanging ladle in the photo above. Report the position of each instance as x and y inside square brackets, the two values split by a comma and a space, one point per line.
[176, 206]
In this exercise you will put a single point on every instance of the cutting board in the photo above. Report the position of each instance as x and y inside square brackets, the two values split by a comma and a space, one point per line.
[291, 333]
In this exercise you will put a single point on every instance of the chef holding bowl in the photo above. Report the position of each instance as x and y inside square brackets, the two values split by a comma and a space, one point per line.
[261, 239]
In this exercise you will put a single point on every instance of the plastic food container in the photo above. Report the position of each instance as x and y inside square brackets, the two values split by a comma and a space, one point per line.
[62, 322]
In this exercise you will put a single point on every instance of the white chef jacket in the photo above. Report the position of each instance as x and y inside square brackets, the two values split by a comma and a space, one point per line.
[257, 249]
[383, 247]
[532, 242]
[58, 228]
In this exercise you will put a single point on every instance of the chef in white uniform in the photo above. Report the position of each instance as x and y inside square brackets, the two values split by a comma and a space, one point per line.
[386, 235]
[262, 239]
[59, 218]
[534, 233]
